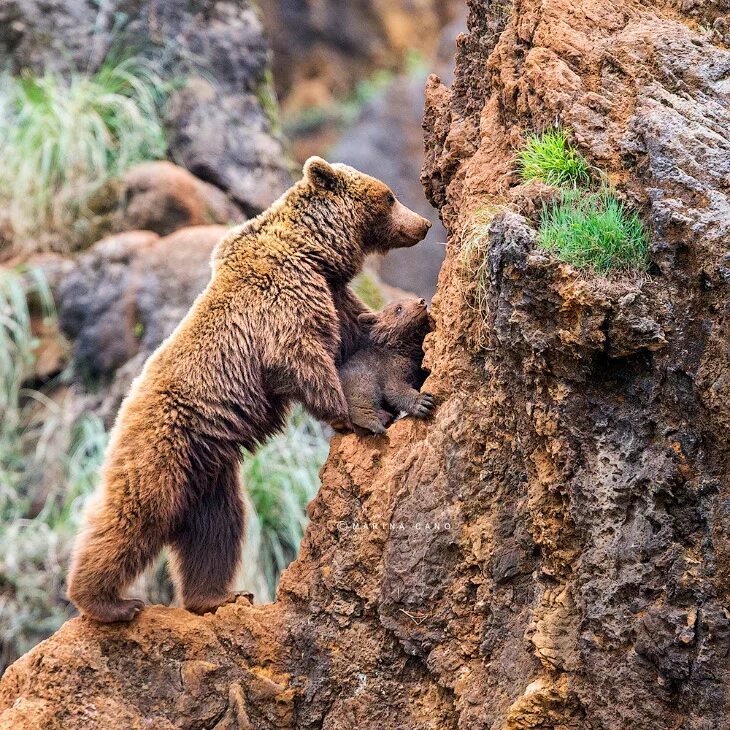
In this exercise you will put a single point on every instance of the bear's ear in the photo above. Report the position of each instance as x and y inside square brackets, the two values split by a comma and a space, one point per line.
[321, 173]
[367, 319]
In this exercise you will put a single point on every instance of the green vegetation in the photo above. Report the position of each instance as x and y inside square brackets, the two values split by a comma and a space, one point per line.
[62, 139]
[593, 230]
[588, 228]
[47, 468]
[343, 112]
[34, 561]
[16, 358]
[266, 95]
[366, 287]
[280, 479]
[339, 113]
[548, 157]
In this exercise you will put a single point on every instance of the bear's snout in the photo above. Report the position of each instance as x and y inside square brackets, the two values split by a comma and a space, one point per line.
[409, 225]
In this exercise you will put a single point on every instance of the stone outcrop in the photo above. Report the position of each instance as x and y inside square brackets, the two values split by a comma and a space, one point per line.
[551, 550]
[163, 197]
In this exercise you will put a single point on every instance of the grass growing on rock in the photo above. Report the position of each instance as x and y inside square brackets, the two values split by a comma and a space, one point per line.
[474, 260]
[549, 158]
[594, 230]
[62, 138]
[587, 228]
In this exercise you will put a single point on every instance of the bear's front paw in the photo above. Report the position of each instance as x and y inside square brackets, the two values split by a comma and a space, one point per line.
[424, 406]
[370, 427]
[342, 425]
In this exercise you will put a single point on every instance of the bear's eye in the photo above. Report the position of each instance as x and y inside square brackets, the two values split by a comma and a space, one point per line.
[391, 199]
[398, 309]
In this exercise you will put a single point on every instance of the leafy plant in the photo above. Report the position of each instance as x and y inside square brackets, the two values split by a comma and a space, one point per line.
[280, 478]
[62, 139]
[593, 230]
[342, 112]
[549, 158]
[16, 358]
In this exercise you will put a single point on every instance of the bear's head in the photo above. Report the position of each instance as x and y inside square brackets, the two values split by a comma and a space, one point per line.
[401, 326]
[368, 205]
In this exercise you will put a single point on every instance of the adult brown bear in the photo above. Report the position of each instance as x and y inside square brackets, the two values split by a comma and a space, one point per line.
[270, 328]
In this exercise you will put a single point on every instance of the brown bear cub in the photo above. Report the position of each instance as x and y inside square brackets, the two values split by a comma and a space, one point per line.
[382, 378]
[270, 328]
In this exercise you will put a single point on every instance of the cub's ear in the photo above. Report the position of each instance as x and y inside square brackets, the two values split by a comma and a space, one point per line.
[321, 173]
[367, 319]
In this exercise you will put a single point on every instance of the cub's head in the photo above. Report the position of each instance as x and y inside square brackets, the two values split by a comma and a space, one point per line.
[401, 325]
[380, 220]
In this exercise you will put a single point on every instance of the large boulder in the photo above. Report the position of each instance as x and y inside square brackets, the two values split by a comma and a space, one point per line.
[163, 197]
[129, 291]
[220, 112]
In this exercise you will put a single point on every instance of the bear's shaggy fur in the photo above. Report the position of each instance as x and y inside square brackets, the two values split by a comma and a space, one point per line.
[383, 377]
[269, 329]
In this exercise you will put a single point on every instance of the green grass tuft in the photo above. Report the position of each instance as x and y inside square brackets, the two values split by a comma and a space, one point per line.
[593, 230]
[62, 139]
[549, 158]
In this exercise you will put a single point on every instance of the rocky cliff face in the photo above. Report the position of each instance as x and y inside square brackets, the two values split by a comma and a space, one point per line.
[551, 550]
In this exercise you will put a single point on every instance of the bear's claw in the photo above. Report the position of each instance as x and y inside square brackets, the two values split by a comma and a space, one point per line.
[424, 405]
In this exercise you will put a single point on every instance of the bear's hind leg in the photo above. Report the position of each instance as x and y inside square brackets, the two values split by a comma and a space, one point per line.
[207, 548]
[107, 559]
[367, 420]
[364, 401]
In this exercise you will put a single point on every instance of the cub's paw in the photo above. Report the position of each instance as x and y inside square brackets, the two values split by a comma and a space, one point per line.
[424, 406]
